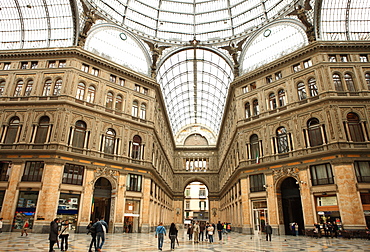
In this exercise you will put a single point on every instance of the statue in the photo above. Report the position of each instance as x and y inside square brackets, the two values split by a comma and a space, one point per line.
[90, 18]
[301, 13]
[156, 53]
[233, 51]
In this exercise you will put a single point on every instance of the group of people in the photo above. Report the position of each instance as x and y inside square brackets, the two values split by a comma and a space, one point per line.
[330, 229]
[97, 230]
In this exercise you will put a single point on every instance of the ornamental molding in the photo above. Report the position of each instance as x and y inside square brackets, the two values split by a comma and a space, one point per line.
[285, 172]
[106, 172]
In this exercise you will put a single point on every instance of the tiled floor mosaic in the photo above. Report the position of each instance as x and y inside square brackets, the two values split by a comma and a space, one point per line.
[11, 241]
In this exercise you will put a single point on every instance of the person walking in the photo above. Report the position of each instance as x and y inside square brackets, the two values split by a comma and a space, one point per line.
[25, 227]
[173, 235]
[296, 229]
[160, 232]
[53, 234]
[268, 231]
[64, 233]
[92, 232]
[196, 230]
[219, 230]
[101, 228]
[190, 232]
[210, 230]
[202, 227]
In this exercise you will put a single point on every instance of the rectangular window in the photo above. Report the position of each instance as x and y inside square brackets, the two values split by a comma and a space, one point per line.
[245, 89]
[307, 63]
[85, 68]
[362, 169]
[112, 78]
[297, 68]
[269, 79]
[62, 63]
[278, 76]
[332, 58]
[6, 66]
[187, 192]
[24, 65]
[363, 58]
[34, 64]
[73, 174]
[134, 182]
[321, 174]
[121, 82]
[52, 64]
[344, 58]
[33, 171]
[257, 182]
[145, 91]
[95, 71]
[187, 205]
[253, 86]
[202, 193]
[137, 87]
[5, 168]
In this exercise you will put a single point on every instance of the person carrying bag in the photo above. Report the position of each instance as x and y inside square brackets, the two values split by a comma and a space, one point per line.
[64, 236]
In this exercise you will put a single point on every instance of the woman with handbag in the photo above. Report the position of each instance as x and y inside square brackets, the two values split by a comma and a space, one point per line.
[64, 233]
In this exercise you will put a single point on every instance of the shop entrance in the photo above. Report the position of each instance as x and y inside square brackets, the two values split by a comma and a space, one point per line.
[101, 199]
[259, 216]
[292, 206]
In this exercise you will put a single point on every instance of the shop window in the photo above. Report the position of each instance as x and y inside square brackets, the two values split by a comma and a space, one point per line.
[312, 87]
[29, 87]
[132, 216]
[47, 88]
[362, 169]
[134, 182]
[282, 140]
[314, 132]
[73, 174]
[302, 94]
[247, 110]
[355, 128]
[68, 207]
[5, 169]
[33, 171]
[321, 174]
[26, 208]
[257, 182]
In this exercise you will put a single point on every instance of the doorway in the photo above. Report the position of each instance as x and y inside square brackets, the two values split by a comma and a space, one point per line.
[102, 199]
[292, 205]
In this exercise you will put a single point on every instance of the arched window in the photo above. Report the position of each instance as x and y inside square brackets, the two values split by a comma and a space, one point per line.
[135, 108]
[281, 97]
[338, 83]
[91, 94]
[247, 110]
[302, 94]
[109, 141]
[272, 101]
[79, 134]
[42, 130]
[18, 88]
[2, 87]
[119, 101]
[314, 132]
[256, 109]
[254, 147]
[29, 87]
[47, 88]
[367, 78]
[80, 91]
[136, 147]
[109, 100]
[282, 140]
[12, 130]
[57, 87]
[354, 127]
[143, 111]
[349, 82]
[312, 87]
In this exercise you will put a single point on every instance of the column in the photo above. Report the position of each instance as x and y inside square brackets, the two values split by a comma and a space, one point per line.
[120, 205]
[308, 206]
[246, 215]
[144, 215]
[86, 200]
[273, 207]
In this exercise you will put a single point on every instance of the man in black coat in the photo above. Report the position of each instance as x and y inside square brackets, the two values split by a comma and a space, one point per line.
[268, 231]
[53, 234]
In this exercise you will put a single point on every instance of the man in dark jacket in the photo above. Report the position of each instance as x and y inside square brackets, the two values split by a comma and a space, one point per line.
[220, 227]
[268, 230]
[53, 234]
[101, 228]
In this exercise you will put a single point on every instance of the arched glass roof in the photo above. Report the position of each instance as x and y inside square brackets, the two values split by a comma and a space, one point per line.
[195, 83]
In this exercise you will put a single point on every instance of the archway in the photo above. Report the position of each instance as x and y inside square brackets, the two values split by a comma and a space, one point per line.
[291, 204]
[196, 204]
[101, 199]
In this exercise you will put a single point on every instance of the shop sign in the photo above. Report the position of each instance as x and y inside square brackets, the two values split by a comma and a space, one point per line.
[320, 213]
[327, 201]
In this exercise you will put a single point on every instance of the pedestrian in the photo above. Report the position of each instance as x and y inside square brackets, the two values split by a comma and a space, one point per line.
[228, 227]
[160, 232]
[190, 232]
[25, 227]
[296, 229]
[196, 230]
[224, 224]
[173, 235]
[92, 231]
[1, 225]
[207, 225]
[53, 234]
[210, 230]
[219, 230]
[101, 228]
[268, 231]
[63, 235]
[202, 227]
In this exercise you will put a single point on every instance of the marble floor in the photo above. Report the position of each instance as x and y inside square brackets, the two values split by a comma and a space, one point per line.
[11, 241]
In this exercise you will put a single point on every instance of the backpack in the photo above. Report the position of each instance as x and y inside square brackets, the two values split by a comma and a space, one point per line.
[92, 230]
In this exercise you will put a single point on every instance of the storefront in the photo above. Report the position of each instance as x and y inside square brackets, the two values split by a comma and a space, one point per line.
[328, 210]
[26, 208]
[259, 216]
[68, 208]
[132, 216]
